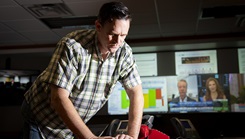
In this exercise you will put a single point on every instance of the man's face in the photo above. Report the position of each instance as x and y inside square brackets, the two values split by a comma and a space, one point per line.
[182, 87]
[112, 34]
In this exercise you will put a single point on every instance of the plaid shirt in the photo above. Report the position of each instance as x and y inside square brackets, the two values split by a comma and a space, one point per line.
[77, 66]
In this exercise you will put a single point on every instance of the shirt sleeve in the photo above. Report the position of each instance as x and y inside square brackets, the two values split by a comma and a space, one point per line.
[63, 67]
[130, 75]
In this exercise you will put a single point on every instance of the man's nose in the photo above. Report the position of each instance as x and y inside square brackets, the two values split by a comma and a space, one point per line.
[116, 39]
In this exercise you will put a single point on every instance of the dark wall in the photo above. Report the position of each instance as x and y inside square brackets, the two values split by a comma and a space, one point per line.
[227, 61]
[166, 63]
[23, 61]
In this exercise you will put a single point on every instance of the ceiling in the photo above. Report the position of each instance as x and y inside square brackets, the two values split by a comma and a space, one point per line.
[158, 25]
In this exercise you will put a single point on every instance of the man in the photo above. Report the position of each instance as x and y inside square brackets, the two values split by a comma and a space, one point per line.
[182, 87]
[80, 77]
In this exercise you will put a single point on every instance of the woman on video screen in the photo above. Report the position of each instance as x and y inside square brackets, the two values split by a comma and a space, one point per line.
[213, 90]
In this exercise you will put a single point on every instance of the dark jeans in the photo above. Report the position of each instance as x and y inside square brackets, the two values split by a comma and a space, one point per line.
[30, 129]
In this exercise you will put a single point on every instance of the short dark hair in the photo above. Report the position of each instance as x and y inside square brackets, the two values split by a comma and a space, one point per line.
[113, 10]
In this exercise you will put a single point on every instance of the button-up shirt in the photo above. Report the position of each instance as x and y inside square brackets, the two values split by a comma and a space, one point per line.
[77, 66]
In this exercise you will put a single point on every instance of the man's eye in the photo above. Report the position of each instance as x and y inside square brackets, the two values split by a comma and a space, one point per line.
[111, 35]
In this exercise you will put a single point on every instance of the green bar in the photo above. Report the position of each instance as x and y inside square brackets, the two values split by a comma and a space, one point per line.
[152, 97]
[124, 99]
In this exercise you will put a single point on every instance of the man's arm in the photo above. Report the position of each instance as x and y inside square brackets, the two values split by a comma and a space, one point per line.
[61, 103]
[135, 95]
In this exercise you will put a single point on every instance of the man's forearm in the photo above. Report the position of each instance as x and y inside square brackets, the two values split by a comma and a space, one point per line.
[135, 119]
[69, 115]
[135, 113]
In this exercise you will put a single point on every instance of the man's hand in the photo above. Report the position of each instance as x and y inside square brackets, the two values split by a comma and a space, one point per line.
[105, 137]
[123, 136]
[119, 136]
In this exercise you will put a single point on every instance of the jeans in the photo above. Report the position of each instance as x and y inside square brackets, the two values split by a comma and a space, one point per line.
[30, 129]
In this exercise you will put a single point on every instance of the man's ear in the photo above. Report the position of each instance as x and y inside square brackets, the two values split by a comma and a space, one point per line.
[98, 26]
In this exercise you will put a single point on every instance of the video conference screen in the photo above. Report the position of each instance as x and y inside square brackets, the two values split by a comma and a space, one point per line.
[162, 95]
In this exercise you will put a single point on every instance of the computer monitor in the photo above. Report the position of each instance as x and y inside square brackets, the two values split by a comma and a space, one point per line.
[237, 92]
[161, 92]
[217, 105]
[196, 62]
[155, 97]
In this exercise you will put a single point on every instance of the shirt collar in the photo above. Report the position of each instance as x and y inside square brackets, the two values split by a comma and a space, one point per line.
[185, 99]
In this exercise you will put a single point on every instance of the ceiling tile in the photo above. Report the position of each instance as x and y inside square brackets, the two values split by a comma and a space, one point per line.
[214, 3]
[140, 19]
[87, 9]
[178, 11]
[26, 25]
[7, 3]
[178, 28]
[4, 28]
[217, 26]
[71, 1]
[144, 6]
[150, 30]
[8, 38]
[14, 13]
[41, 36]
[64, 31]
[31, 2]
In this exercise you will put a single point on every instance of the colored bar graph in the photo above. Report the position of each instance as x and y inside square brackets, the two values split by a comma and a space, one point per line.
[146, 100]
[151, 98]
[124, 100]
[159, 95]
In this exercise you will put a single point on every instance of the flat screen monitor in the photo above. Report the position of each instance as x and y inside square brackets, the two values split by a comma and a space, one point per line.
[161, 92]
[155, 97]
[196, 62]
[237, 92]
[201, 105]
[147, 64]
[241, 59]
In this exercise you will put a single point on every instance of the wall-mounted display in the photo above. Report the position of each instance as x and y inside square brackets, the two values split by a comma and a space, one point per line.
[196, 93]
[147, 64]
[155, 97]
[241, 59]
[196, 62]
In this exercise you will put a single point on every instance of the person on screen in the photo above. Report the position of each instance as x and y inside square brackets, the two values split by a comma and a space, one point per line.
[182, 88]
[213, 90]
[80, 77]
